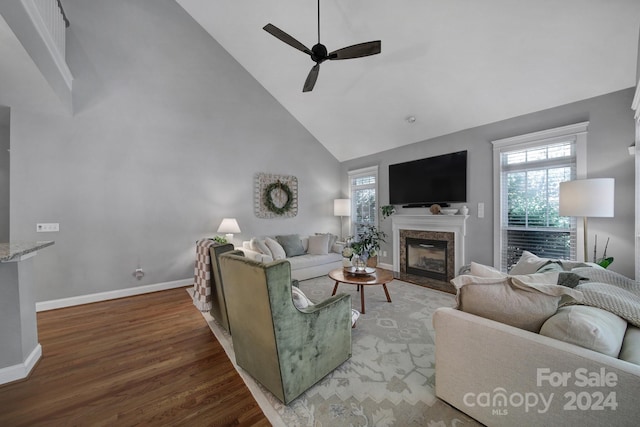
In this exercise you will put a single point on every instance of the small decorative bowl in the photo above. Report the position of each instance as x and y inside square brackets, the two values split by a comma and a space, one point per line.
[448, 211]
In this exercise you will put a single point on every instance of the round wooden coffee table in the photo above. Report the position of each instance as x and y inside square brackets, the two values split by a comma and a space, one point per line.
[378, 277]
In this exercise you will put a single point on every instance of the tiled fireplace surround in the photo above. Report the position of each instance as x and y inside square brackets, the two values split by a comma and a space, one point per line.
[450, 228]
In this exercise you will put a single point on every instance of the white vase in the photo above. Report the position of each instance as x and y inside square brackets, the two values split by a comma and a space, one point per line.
[464, 210]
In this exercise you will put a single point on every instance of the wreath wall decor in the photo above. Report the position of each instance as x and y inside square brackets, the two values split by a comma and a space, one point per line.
[276, 196]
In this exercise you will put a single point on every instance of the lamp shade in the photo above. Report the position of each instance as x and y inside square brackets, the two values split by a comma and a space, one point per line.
[342, 207]
[229, 225]
[587, 197]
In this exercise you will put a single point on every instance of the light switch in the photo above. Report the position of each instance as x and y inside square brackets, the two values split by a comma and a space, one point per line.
[480, 210]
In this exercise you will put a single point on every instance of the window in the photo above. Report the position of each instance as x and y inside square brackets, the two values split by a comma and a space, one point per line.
[363, 188]
[528, 171]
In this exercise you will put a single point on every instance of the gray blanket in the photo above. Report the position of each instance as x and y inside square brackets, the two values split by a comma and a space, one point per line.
[611, 291]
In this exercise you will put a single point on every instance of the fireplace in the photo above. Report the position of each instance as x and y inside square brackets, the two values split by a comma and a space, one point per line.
[426, 257]
[429, 266]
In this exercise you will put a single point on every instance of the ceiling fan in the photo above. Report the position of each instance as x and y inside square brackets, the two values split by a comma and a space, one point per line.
[318, 52]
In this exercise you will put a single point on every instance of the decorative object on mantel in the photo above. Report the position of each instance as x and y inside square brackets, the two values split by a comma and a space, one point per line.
[387, 211]
[276, 196]
[464, 210]
[448, 211]
[435, 209]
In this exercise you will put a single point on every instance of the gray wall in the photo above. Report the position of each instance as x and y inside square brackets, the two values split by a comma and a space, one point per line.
[611, 131]
[168, 133]
[4, 173]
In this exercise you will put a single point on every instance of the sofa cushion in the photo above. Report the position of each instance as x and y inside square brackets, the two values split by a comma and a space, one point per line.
[319, 244]
[523, 301]
[309, 260]
[630, 350]
[277, 251]
[292, 244]
[588, 327]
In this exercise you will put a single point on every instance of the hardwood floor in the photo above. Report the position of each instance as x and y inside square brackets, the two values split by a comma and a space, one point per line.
[143, 360]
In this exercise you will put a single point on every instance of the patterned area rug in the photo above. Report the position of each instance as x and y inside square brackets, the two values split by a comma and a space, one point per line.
[390, 378]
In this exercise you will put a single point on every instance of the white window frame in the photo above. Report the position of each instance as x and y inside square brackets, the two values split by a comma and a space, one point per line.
[577, 131]
[356, 173]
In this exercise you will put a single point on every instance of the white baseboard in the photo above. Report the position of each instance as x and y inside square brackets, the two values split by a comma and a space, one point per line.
[385, 266]
[104, 296]
[21, 370]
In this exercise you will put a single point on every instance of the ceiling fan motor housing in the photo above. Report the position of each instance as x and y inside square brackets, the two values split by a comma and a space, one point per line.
[319, 53]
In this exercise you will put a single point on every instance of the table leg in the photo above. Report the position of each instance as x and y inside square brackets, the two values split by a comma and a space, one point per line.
[335, 288]
[362, 299]
[386, 292]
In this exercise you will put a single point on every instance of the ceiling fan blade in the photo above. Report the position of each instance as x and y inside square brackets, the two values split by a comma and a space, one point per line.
[357, 50]
[278, 33]
[311, 79]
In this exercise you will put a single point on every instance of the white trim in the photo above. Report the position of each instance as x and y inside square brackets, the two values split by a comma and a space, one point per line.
[105, 296]
[45, 34]
[544, 137]
[21, 370]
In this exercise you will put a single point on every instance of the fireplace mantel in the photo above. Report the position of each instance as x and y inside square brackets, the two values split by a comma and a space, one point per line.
[455, 224]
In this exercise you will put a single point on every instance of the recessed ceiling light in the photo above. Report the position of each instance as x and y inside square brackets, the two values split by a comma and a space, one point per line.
[411, 119]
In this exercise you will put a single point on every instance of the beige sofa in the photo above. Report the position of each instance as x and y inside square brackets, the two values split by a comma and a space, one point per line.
[505, 376]
[523, 350]
[315, 256]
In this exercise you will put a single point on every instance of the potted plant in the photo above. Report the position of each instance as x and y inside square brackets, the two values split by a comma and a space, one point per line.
[365, 245]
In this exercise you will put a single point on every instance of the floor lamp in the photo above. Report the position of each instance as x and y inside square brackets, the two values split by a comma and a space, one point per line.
[587, 198]
[342, 208]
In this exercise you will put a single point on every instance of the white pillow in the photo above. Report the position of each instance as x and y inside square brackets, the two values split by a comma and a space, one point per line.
[259, 245]
[588, 327]
[276, 249]
[300, 300]
[528, 263]
[318, 244]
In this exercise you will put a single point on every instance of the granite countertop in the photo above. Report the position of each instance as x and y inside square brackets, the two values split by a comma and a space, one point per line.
[13, 250]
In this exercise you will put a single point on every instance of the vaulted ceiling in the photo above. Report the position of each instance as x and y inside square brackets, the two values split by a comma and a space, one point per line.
[451, 64]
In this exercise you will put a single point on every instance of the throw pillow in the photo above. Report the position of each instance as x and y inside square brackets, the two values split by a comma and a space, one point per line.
[481, 270]
[319, 244]
[528, 263]
[291, 244]
[588, 327]
[276, 250]
[501, 299]
[259, 245]
[300, 300]
[332, 240]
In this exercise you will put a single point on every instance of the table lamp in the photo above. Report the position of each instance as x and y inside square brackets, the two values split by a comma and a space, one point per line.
[587, 198]
[229, 226]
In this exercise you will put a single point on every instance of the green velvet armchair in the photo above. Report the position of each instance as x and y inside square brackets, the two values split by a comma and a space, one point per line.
[286, 349]
[218, 300]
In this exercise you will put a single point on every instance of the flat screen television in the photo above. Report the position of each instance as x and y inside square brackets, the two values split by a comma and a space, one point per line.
[440, 179]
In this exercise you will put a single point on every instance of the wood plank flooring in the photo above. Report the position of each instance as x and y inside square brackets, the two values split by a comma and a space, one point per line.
[144, 360]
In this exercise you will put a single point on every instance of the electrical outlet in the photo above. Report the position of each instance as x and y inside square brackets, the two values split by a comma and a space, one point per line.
[384, 254]
[47, 227]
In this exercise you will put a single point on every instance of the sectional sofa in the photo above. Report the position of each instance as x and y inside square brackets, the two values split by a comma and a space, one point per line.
[508, 359]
